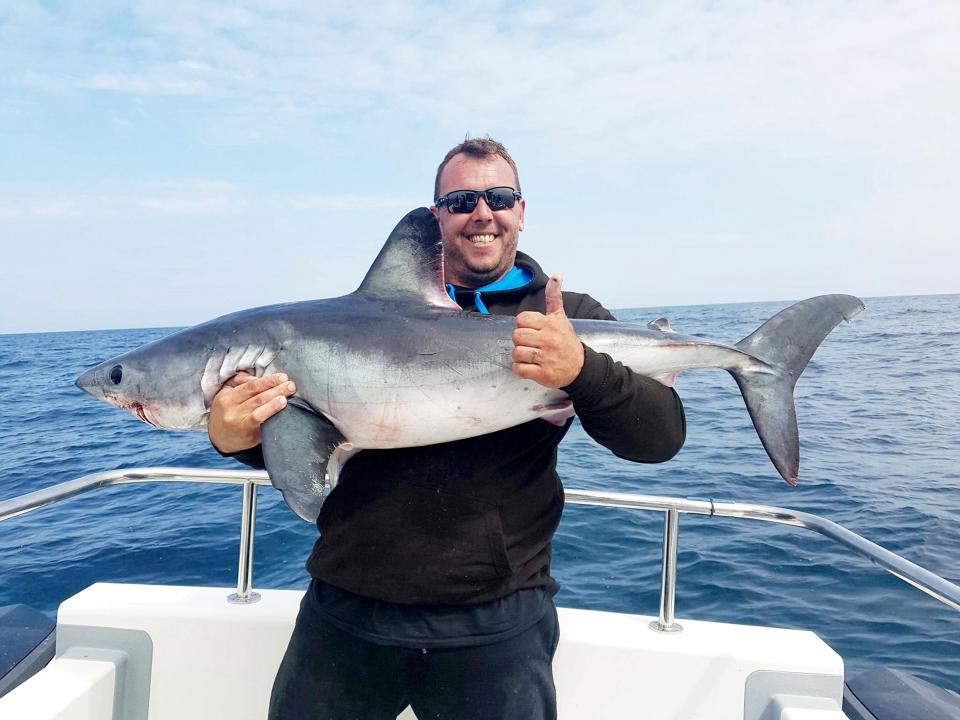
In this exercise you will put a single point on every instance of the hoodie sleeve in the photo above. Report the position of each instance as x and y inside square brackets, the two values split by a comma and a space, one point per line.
[635, 417]
[252, 457]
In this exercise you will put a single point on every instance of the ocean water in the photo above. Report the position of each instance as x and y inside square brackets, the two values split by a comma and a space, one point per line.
[879, 414]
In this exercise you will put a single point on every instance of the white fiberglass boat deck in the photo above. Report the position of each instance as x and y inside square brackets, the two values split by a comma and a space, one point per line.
[143, 652]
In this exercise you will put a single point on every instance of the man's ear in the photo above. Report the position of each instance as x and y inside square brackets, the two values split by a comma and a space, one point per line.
[435, 210]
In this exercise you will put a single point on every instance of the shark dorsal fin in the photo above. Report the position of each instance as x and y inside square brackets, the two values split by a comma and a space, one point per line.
[410, 265]
[661, 324]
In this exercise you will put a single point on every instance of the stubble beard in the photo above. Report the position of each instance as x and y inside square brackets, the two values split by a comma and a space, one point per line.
[474, 276]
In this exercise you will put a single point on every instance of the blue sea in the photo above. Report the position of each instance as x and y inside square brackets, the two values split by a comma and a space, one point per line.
[879, 413]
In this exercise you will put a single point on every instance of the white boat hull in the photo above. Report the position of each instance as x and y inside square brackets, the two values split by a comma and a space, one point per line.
[209, 659]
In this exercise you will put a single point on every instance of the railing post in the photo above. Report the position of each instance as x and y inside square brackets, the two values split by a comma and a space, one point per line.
[668, 578]
[248, 523]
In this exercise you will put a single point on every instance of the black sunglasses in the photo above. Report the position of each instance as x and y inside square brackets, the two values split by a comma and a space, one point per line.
[465, 201]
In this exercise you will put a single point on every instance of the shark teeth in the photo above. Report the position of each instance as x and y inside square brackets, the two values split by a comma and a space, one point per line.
[482, 239]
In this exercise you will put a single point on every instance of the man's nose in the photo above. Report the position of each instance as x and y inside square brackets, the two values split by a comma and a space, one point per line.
[482, 212]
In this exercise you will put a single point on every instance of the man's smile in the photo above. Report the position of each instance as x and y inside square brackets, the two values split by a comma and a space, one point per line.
[484, 239]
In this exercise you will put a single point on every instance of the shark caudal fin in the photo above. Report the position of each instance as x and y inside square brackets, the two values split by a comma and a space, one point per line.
[785, 343]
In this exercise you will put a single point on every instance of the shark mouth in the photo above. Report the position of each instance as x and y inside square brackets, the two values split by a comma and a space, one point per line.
[135, 408]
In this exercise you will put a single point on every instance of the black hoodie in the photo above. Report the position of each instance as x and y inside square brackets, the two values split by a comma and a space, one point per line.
[472, 520]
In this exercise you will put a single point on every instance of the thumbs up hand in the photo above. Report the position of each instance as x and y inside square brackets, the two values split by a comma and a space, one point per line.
[545, 347]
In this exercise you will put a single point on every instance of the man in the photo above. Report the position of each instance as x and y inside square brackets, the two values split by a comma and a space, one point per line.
[431, 577]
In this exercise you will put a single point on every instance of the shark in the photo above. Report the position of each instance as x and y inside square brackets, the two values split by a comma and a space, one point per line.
[397, 363]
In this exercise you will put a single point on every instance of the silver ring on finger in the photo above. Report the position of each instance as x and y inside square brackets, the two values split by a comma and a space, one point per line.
[535, 357]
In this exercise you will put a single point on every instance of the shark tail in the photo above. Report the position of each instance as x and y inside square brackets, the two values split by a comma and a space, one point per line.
[784, 345]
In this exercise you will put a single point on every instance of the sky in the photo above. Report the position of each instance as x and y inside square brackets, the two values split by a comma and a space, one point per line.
[165, 163]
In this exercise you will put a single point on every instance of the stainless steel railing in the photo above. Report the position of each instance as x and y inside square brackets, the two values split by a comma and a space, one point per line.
[921, 578]
[930, 583]
[249, 479]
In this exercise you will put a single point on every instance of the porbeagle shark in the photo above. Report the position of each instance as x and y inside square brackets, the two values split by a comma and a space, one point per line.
[397, 363]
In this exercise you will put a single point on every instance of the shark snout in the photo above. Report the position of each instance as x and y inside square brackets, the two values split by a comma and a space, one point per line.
[89, 382]
[85, 381]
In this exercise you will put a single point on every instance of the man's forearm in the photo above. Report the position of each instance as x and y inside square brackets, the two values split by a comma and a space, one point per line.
[634, 416]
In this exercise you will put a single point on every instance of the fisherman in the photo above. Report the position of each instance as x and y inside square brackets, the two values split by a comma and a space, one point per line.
[431, 580]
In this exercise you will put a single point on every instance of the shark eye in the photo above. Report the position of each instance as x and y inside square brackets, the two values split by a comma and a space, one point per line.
[116, 374]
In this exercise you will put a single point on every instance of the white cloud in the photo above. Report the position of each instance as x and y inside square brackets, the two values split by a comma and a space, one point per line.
[194, 65]
[180, 205]
[669, 76]
[141, 85]
[189, 197]
[12, 108]
[351, 202]
[54, 208]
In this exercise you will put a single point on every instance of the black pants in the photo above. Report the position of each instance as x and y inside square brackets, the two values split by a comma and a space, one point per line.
[327, 674]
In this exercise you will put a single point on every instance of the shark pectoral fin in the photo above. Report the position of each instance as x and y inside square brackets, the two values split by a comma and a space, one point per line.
[668, 378]
[297, 447]
[557, 413]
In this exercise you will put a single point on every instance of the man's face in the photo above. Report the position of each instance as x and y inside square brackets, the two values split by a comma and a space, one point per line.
[479, 247]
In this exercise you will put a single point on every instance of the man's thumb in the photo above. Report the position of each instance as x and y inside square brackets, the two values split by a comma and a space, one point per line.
[554, 296]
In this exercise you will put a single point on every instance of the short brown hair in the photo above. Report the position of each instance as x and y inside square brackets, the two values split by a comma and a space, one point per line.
[485, 147]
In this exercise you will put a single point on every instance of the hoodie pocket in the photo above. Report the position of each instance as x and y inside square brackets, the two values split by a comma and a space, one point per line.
[460, 537]
[411, 544]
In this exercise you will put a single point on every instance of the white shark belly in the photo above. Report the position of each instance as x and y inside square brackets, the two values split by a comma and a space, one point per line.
[390, 417]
